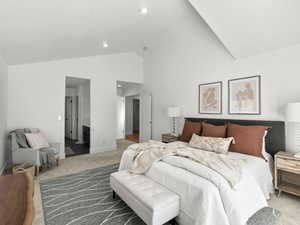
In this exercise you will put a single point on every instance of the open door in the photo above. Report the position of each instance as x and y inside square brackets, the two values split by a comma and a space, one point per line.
[145, 117]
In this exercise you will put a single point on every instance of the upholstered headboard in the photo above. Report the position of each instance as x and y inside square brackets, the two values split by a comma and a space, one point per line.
[275, 139]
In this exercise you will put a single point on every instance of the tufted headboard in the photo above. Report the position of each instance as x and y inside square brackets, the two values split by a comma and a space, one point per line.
[275, 139]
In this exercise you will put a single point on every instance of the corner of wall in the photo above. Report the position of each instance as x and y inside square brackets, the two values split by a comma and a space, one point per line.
[4, 157]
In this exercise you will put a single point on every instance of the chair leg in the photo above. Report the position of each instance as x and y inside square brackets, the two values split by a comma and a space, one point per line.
[37, 170]
[114, 195]
[57, 161]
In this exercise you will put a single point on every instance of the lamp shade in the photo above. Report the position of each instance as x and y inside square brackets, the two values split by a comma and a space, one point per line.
[293, 112]
[173, 112]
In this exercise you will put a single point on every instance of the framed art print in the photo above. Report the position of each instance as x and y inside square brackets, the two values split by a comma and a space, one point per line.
[244, 96]
[210, 98]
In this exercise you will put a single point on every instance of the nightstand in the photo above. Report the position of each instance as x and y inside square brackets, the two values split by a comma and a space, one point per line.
[287, 173]
[168, 138]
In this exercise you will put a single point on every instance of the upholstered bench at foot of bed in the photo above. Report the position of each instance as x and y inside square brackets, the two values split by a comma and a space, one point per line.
[153, 203]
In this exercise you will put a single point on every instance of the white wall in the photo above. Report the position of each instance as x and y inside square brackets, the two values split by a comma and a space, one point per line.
[190, 54]
[3, 113]
[36, 94]
[84, 109]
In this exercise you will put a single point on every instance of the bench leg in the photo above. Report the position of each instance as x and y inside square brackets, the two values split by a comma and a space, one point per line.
[114, 195]
[173, 222]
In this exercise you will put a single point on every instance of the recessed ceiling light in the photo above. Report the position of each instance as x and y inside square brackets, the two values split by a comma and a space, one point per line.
[119, 86]
[105, 44]
[144, 10]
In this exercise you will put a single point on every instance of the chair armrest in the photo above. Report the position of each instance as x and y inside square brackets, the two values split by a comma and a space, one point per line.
[26, 155]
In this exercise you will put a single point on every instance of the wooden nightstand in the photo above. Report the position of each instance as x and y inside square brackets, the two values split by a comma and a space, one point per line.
[287, 173]
[168, 138]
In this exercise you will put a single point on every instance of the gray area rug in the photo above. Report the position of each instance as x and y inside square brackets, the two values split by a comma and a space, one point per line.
[86, 199]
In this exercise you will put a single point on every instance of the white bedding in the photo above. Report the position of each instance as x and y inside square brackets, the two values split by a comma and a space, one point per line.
[202, 203]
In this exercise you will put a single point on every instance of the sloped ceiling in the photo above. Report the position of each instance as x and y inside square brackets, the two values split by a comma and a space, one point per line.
[250, 27]
[41, 30]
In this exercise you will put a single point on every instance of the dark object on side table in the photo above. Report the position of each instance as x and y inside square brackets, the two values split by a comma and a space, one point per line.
[168, 138]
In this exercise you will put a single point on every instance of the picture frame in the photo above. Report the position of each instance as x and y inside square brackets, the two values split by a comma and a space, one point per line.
[244, 96]
[210, 98]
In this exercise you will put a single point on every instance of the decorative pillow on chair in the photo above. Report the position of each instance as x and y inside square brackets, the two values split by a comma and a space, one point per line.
[37, 140]
[212, 144]
[248, 139]
[210, 130]
[21, 138]
[189, 129]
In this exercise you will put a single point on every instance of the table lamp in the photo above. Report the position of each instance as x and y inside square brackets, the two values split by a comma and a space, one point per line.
[293, 126]
[174, 112]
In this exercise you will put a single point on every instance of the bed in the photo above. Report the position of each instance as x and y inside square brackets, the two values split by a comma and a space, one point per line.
[205, 200]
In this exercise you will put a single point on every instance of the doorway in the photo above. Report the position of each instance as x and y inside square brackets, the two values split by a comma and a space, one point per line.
[132, 118]
[133, 113]
[77, 116]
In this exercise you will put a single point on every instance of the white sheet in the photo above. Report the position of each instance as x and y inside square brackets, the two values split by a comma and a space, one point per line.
[260, 170]
[201, 201]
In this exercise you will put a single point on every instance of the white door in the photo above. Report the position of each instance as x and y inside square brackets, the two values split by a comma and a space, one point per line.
[145, 117]
[68, 117]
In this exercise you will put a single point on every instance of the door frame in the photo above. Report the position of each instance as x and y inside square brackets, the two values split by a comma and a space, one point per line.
[91, 121]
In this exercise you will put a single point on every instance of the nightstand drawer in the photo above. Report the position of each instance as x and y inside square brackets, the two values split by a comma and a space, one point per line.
[288, 164]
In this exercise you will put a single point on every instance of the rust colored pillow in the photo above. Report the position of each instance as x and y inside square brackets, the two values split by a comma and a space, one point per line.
[210, 130]
[248, 139]
[189, 129]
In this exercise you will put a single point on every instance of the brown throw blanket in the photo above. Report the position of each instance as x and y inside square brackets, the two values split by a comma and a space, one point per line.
[148, 153]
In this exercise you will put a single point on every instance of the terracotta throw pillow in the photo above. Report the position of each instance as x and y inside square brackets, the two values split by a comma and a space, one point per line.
[189, 129]
[210, 130]
[248, 139]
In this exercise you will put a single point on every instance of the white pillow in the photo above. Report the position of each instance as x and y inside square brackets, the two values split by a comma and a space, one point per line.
[37, 140]
[212, 144]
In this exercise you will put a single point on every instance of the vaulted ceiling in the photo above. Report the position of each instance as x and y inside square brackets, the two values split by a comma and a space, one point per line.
[41, 30]
[250, 27]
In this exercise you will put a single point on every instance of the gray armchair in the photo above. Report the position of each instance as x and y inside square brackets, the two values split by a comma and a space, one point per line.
[21, 151]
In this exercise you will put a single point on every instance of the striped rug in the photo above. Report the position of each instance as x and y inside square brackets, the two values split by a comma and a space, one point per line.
[86, 199]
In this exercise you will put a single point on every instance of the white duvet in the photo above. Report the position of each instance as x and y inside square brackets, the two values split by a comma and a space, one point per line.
[205, 197]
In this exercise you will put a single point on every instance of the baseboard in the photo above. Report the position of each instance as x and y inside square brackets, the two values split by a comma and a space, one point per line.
[62, 155]
[103, 149]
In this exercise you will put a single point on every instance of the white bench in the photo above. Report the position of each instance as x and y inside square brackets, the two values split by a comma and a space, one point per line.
[153, 203]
